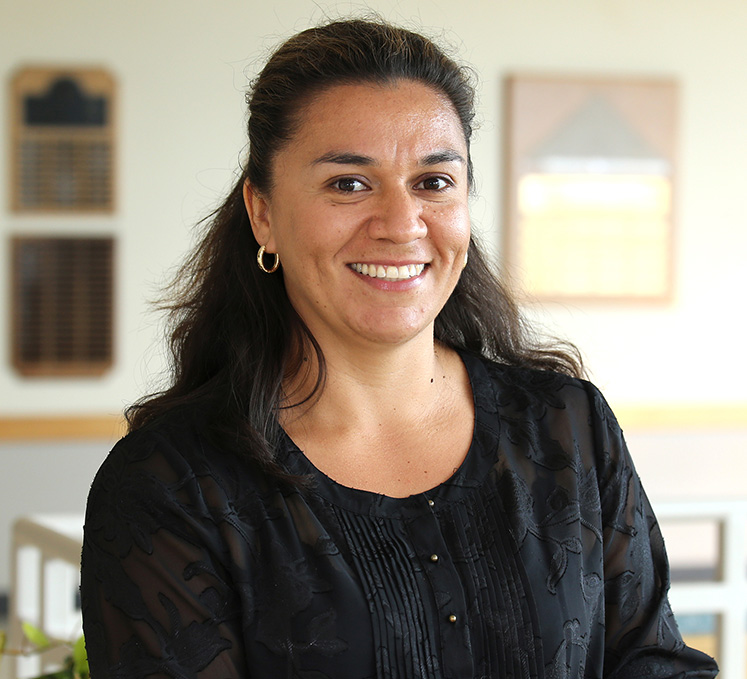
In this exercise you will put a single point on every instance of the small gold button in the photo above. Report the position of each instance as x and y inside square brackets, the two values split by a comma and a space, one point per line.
[431, 503]
[452, 618]
[434, 558]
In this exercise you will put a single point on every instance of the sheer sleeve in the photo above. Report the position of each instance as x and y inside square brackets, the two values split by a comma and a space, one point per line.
[642, 639]
[156, 596]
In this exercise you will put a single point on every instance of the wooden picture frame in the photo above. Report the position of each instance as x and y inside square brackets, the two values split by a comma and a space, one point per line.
[62, 300]
[590, 168]
[63, 147]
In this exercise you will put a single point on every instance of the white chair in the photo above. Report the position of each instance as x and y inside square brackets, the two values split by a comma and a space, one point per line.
[45, 567]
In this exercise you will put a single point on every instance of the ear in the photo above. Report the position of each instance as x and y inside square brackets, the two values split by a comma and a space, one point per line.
[258, 210]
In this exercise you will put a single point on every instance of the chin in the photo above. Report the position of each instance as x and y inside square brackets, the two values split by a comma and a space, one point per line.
[394, 332]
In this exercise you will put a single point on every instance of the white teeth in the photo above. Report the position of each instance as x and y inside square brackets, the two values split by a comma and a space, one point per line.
[390, 273]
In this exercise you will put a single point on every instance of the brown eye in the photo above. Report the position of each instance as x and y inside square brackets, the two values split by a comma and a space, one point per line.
[349, 184]
[434, 184]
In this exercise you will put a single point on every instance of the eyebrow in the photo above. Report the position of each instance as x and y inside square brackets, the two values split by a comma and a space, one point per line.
[444, 156]
[343, 158]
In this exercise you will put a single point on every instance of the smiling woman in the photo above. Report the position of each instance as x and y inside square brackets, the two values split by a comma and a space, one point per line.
[363, 467]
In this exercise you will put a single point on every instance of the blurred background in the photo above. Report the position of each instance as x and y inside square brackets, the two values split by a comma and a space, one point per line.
[161, 121]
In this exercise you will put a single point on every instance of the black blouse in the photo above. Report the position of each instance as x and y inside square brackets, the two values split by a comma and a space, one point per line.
[540, 557]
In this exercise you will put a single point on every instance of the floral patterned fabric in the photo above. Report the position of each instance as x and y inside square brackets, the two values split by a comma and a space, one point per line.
[540, 557]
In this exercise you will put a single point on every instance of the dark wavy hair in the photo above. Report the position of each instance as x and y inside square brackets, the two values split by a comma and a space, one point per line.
[234, 333]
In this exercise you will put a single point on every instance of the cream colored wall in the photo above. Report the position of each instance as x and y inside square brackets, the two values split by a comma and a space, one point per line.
[182, 68]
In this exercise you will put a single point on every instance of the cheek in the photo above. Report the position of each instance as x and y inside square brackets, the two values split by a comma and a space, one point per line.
[307, 226]
[288, 232]
[456, 231]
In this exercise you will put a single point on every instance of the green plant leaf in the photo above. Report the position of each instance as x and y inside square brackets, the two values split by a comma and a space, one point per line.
[80, 658]
[35, 635]
[3, 641]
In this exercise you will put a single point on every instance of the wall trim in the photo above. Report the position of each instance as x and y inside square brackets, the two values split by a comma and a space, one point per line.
[101, 427]
[631, 417]
[683, 416]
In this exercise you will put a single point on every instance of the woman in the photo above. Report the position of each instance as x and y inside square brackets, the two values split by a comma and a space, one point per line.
[363, 468]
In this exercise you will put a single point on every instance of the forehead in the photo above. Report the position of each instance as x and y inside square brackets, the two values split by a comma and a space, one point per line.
[371, 113]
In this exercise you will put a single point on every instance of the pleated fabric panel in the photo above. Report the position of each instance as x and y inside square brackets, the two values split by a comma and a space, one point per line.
[502, 615]
[387, 568]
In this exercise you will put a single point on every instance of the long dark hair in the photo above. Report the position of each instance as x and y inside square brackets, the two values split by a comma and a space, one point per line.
[235, 335]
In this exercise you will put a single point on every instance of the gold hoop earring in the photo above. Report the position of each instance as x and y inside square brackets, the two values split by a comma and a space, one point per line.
[261, 261]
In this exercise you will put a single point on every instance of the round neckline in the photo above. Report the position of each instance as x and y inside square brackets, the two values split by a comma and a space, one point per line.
[469, 475]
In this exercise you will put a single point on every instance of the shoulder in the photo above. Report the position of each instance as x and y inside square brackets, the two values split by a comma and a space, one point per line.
[536, 393]
[556, 419]
[170, 467]
[169, 479]
[167, 450]
[555, 438]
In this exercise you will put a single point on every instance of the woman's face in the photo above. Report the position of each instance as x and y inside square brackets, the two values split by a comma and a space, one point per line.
[369, 212]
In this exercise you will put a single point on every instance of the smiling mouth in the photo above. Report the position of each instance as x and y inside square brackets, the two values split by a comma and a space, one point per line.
[389, 273]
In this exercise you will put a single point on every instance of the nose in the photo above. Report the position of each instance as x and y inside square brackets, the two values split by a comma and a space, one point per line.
[398, 217]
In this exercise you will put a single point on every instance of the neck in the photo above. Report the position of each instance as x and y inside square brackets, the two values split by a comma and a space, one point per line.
[369, 383]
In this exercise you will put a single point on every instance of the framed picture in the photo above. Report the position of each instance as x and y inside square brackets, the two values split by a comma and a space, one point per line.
[63, 140]
[590, 166]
